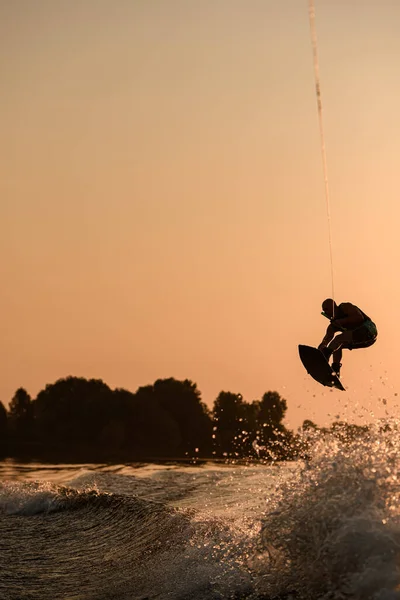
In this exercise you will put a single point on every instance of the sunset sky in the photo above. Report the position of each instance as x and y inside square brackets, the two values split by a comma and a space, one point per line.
[162, 204]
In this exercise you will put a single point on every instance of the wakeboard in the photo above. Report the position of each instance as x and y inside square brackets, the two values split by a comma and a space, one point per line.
[318, 367]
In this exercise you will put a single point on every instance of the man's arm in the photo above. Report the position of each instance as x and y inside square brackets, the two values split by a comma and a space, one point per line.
[330, 332]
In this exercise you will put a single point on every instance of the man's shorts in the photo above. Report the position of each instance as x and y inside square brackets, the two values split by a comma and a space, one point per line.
[363, 336]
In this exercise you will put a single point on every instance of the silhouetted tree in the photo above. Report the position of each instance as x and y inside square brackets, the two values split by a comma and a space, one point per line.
[83, 418]
[231, 424]
[114, 431]
[182, 401]
[272, 435]
[72, 412]
[3, 428]
[166, 419]
[20, 417]
[150, 430]
[271, 411]
[3, 420]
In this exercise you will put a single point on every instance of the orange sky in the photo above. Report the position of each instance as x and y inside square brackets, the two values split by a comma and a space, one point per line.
[162, 198]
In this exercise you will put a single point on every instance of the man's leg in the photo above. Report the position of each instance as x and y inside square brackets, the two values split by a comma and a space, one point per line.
[336, 346]
[336, 358]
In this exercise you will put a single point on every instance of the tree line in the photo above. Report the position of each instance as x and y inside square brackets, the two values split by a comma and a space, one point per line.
[84, 419]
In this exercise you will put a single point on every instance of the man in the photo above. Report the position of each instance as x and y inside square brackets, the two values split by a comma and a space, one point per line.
[357, 331]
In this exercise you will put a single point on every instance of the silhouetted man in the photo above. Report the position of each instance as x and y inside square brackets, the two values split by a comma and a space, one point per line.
[355, 327]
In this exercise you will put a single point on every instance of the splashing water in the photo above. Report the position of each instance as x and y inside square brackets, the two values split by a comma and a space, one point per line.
[333, 530]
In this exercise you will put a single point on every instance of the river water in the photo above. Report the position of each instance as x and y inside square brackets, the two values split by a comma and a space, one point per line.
[323, 529]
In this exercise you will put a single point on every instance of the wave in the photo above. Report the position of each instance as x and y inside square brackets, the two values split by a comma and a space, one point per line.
[115, 546]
